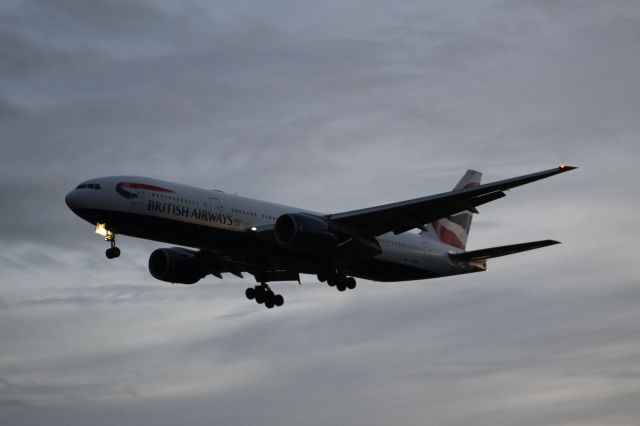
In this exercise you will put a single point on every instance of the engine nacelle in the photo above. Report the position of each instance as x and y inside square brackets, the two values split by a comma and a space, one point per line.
[176, 265]
[304, 231]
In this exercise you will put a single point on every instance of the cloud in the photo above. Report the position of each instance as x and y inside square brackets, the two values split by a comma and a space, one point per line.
[20, 55]
[109, 294]
[332, 106]
[9, 111]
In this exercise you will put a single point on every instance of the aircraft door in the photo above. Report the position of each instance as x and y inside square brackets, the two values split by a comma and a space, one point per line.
[213, 205]
[139, 200]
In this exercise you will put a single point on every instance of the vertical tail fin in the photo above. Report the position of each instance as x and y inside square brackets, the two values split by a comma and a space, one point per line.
[454, 229]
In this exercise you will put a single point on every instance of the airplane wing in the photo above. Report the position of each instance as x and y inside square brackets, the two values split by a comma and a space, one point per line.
[405, 215]
[217, 263]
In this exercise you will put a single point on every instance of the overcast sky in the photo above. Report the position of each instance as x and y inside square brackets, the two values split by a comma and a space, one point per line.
[332, 106]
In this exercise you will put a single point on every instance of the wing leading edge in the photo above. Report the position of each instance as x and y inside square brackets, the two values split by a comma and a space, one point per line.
[405, 215]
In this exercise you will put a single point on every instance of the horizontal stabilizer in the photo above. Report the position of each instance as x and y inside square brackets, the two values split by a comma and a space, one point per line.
[500, 251]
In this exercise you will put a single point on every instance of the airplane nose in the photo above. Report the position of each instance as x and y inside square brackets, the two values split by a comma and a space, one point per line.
[70, 200]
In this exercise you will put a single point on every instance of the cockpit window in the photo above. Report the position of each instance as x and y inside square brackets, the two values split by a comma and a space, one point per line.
[88, 185]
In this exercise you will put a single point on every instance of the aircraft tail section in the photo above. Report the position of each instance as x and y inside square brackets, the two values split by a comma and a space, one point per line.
[454, 229]
[484, 254]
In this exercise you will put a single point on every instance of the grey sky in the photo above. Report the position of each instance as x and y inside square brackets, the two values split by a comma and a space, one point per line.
[330, 106]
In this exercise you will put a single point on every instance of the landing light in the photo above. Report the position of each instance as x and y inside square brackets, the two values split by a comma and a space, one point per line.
[101, 229]
[254, 229]
[563, 166]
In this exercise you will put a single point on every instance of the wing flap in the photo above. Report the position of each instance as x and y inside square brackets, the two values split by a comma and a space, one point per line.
[488, 253]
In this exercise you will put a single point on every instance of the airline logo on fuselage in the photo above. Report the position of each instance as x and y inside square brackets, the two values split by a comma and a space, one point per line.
[186, 212]
[167, 207]
[124, 189]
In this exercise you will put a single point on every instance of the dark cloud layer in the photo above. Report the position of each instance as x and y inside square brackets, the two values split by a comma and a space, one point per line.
[330, 106]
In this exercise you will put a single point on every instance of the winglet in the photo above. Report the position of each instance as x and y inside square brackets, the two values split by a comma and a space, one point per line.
[564, 168]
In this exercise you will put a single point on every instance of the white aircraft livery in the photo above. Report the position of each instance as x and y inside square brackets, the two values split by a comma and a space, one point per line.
[408, 240]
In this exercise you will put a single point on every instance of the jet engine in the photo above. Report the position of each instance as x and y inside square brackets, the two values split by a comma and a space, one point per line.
[304, 231]
[177, 265]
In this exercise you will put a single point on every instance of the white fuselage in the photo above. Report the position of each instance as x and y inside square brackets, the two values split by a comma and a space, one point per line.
[209, 219]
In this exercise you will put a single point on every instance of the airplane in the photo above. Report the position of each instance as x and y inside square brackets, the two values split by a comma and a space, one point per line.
[415, 239]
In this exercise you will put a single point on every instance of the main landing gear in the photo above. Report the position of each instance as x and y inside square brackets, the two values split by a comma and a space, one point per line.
[338, 280]
[263, 294]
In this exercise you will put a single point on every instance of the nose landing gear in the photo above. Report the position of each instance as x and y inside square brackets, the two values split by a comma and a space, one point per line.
[113, 251]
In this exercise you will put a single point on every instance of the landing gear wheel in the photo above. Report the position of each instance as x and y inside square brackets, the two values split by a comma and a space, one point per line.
[250, 293]
[332, 281]
[269, 302]
[278, 300]
[112, 252]
[259, 295]
[351, 283]
[342, 286]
